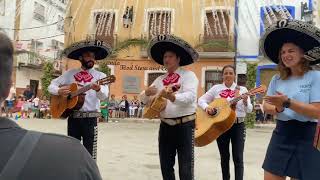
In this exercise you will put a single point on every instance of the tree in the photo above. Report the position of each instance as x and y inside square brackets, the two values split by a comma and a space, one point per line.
[251, 83]
[103, 67]
[47, 77]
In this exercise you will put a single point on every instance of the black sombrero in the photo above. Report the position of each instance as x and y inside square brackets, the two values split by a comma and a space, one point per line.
[99, 48]
[305, 35]
[161, 43]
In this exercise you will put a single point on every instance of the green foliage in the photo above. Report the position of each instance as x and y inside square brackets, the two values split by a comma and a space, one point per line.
[128, 43]
[251, 83]
[215, 44]
[103, 67]
[47, 77]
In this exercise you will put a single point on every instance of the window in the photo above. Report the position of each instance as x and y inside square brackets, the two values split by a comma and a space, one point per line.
[36, 45]
[212, 77]
[60, 25]
[159, 22]
[63, 1]
[105, 24]
[217, 28]
[56, 44]
[242, 79]
[38, 12]
[2, 7]
[152, 77]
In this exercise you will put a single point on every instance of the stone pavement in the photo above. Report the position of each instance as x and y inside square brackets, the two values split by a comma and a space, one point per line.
[127, 150]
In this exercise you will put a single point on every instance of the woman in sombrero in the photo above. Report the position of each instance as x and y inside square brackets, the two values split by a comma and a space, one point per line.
[293, 96]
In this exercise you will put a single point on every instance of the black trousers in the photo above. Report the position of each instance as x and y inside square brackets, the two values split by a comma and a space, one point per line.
[177, 139]
[87, 130]
[237, 135]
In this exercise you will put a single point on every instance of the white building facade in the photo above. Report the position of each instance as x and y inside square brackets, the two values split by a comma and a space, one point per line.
[40, 38]
[7, 14]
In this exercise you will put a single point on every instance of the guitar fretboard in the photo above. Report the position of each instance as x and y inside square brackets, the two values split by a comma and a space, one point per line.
[81, 90]
[235, 100]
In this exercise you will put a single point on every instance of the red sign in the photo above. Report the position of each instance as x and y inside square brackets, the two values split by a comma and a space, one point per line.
[19, 45]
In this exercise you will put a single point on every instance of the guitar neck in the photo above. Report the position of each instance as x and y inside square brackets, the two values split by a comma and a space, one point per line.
[81, 90]
[235, 100]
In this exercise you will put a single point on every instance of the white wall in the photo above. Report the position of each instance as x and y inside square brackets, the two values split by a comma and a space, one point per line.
[51, 16]
[7, 21]
[249, 24]
[24, 75]
[316, 12]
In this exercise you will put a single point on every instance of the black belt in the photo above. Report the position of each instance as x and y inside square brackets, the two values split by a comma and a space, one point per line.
[179, 120]
[80, 114]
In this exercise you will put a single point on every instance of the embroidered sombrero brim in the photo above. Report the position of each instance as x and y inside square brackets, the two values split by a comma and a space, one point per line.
[305, 35]
[162, 43]
[100, 49]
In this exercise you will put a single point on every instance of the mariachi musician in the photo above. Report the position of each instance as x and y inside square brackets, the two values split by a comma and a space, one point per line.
[236, 134]
[83, 123]
[176, 134]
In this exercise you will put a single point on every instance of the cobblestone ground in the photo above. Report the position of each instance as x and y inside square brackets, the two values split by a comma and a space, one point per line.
[128, 150]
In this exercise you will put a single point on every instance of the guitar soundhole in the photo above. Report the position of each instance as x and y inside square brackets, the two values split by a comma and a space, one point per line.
[69, 96]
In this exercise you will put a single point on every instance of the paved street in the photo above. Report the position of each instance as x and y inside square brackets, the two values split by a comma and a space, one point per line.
[128, 151]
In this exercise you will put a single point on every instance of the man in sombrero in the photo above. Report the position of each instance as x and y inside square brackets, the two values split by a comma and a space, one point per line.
[293, 97]
[83, 123]
[176, 134]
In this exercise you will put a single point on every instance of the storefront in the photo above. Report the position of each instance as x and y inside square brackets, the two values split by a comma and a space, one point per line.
[133, 76]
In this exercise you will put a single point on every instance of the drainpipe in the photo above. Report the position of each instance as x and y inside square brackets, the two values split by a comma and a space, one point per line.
[236, 14]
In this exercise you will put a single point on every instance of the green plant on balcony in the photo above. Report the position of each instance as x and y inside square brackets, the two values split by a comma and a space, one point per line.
[128, 43]
[213, 44]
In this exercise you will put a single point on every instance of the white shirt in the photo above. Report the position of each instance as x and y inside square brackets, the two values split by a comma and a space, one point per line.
[92, 98]
[36, 101]
[186, 97]
[11, 94]
[219, 90]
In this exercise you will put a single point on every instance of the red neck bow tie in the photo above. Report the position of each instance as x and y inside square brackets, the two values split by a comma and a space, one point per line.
[172, 78]
[83, 76]
[227, 93]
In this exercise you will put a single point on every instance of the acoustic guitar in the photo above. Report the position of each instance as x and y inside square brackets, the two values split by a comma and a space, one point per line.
[158, 103]
[62, 106]
[210, 127]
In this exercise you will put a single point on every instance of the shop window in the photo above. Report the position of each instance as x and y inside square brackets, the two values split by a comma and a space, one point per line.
[212, 77]
[152, 77]
[242, 79]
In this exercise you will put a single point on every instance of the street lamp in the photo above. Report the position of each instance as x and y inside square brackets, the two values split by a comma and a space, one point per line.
[306, 13]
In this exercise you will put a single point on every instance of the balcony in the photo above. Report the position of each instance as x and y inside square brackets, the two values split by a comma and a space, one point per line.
[112, 40]
[217, 47]
[30, 60]
[207, 49]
